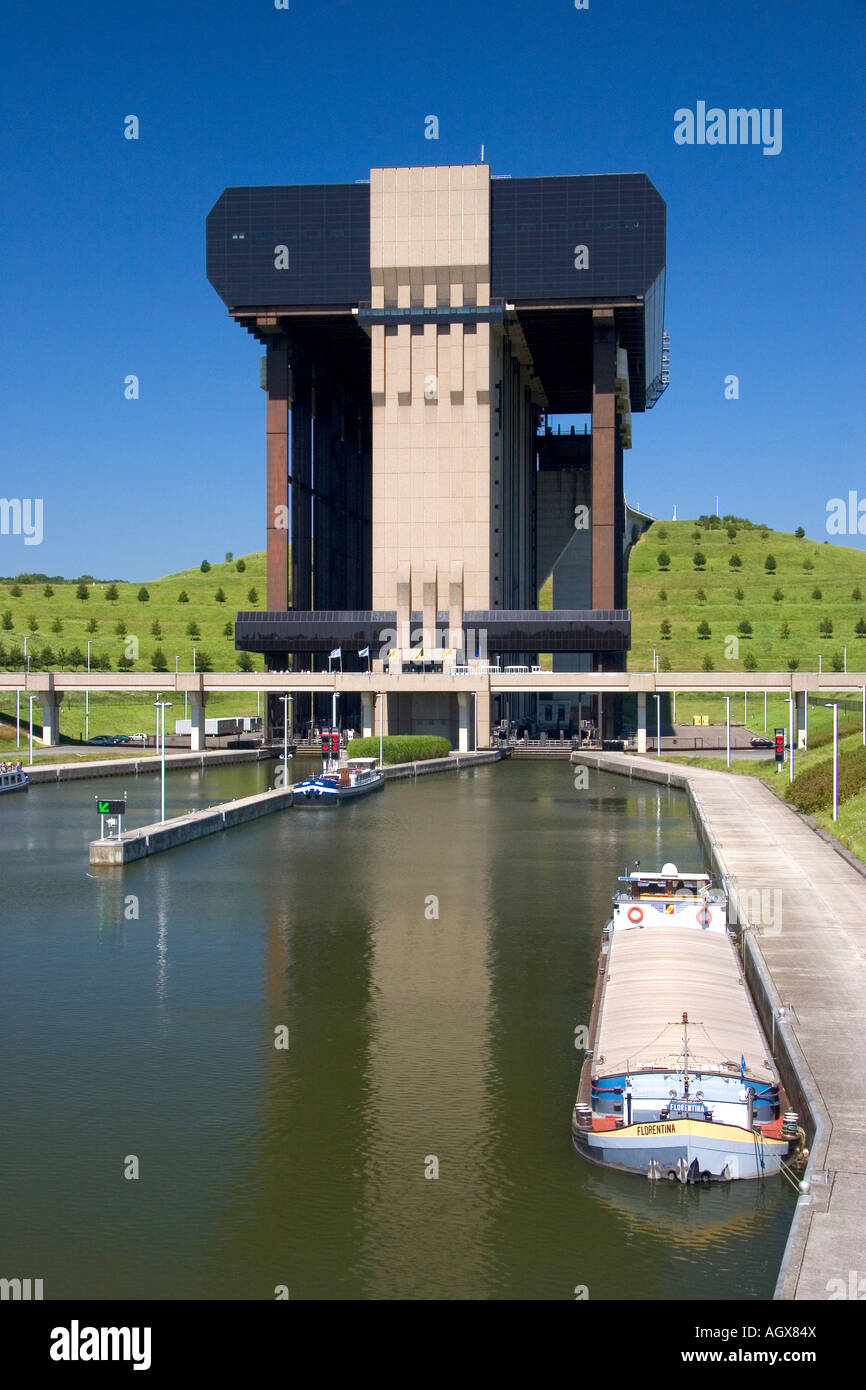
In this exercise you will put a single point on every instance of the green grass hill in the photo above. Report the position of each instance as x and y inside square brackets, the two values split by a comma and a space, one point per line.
[809, 601]
[117, 619]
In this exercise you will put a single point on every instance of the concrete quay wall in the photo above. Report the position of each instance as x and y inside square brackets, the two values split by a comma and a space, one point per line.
[118, 767]
[181, 830]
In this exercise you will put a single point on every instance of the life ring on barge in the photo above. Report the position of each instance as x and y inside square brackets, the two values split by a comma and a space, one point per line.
[635, 914]
[705, 917]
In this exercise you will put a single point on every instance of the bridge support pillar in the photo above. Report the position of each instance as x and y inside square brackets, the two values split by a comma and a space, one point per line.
[197, 702]
[641, 722]
[368, 715]
[51, 702]
[801, 705]
[464, 712]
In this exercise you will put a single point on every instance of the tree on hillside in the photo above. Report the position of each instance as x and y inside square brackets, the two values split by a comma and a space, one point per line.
[856, 594]
[745, 628]
[665, 628]
[799, 533]
[663, 595]
[785, 630]
[750, 662]
[57, 625]
[701, 595]
[204, 566]
[156, 628]
[664, 663]
[245, 661]
[16, 591]
[770, 564]
[82, 591]
[228, 629]
[32, 624]
[816, 593]
[825, 627]
[794, 662]
[664, 559]
[46, 657]
[764, 534]
[120, 627]
[240, 566]
[253, 596]
[220, 595]
[734, 561]
[8, 622]
[125, 663]
[739, 594]
[807, 564]
[696, 535]
[192, 630]
[92, 625]
[704, 629]
[837, 662]
[158, 661]
[111, 592]
[183, 596]
[707, 663]
[778, 595]
[661, 533]
[203, 662]
[731, 533]
[48, 592]
[143, 595]
[860, 627]
[699, 560]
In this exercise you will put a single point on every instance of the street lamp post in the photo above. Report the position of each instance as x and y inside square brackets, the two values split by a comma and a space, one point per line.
[162, 705]
[286, 699]
[31, 729]
[380, 699]
[18, 718]
[790, 699]
[835, 709]
[87, 702]
[728, 730]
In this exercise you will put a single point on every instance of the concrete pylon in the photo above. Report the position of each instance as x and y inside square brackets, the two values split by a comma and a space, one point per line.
[197, 702]
[428, 607]
[51, 702]
[464, 717]
[641, 722]
[456, 636]
[368, 714]
[404, 612]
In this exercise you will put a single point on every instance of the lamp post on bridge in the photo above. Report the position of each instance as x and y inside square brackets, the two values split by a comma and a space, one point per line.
[163, 705]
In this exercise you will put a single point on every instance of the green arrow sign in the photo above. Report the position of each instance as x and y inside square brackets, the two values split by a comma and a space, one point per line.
[110, 808]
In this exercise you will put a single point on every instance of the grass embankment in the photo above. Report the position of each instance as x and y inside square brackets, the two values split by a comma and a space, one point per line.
[401, 748]
[812, 583]
[812, 788]
[128, 632]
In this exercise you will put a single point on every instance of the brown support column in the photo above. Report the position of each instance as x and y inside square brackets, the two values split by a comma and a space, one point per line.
[277, 474]
[604, 538]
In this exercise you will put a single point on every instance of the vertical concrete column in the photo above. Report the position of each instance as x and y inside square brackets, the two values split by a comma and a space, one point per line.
[641, 722]
[404, 610]
[368, 709]
[483, 718]
[428, 607]
[456, 636]
[197, 702]
[464, 716]
[277, 383]
[604, 538]
[51, 702]
[801, 698]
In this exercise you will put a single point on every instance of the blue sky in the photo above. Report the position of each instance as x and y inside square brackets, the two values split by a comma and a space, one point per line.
[103, 246]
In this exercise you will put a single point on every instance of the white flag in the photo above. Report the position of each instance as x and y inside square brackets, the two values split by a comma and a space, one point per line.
[336, 652]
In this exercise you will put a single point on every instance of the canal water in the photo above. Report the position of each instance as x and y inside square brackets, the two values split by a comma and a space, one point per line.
[430, 952]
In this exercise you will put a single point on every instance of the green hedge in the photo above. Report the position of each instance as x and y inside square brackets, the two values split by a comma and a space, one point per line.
[401, 748]
[812, 790]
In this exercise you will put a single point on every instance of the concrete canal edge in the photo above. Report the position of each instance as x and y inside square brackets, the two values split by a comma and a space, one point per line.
[182, 830]
[118, 767]
[793, 1066]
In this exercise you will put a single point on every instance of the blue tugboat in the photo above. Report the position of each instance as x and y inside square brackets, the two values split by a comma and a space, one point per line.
[359, 777]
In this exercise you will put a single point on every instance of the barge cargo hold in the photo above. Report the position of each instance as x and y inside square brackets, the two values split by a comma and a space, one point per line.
[678, 1080]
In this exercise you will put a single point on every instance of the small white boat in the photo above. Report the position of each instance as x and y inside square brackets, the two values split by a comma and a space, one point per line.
[678, 1081]
[13, 778]
[359, 777]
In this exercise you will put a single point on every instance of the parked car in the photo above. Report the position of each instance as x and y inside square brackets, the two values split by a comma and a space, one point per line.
[120, 738]
[104, 740]
[759, 741]
[138, 738]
